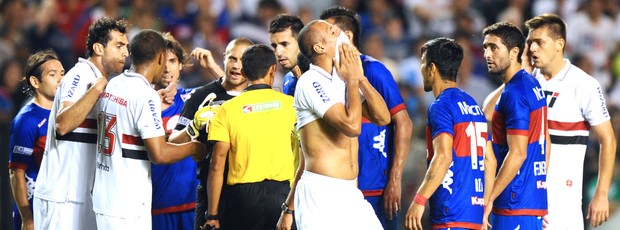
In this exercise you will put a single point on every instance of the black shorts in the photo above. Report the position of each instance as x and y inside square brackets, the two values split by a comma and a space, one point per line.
[254, 205]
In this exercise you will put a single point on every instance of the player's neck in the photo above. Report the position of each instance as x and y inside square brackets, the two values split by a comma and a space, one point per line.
[144, 70]
[510, 72]
[228, 86]
[553, 68]
[42, 101]
[96, 60]
[441, 86]
[325, 64]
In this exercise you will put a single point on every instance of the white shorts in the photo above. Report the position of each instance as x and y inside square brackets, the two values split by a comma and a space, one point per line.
[564, 216]
[105, 222]
[50, 215]
[323, 202]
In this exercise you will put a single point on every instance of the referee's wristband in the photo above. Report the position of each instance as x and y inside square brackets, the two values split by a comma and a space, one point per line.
[211, 217]
[419, 199]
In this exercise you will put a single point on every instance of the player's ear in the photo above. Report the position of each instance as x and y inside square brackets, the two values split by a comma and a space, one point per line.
[34, 82]
[349, 35]
[98, 49]
[318, 48]
[559, 44]
[272, 74]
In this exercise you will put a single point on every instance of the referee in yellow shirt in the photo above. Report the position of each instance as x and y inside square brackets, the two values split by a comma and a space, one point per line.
[254, 131]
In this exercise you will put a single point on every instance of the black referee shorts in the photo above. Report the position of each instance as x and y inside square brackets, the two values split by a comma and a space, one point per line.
[254, 205]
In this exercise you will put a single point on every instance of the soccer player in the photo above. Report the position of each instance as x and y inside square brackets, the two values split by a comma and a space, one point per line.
[62, 198]
[131, 135]
[329, 112]
[283, 31]
[196, 114]
[29, 132]
[383, 150]
[576, 104]
[519, 194]
[457, 152]
[174, 185]
[261, 166]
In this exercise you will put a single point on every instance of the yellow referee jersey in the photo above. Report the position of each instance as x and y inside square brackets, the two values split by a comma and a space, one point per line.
[258, 125]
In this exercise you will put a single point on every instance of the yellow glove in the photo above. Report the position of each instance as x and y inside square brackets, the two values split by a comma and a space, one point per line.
[205, 112]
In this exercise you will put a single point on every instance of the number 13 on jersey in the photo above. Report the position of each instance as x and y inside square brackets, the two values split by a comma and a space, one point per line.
[105, 133]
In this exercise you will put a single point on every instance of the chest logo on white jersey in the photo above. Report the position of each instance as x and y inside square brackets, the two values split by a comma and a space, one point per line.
[551, 97]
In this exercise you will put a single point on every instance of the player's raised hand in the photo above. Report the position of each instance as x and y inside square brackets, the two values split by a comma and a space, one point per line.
[203, 56]
[413, 220]
[167, 94]
[350, 66]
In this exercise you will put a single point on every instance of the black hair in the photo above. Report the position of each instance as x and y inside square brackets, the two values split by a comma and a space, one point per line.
[510, 35]
[145, 46]
[175, 46]
[99, 32]
[285, 21]
[346, 20]
[446, 54]
[303, 62]
[34, 68]
[256, 61]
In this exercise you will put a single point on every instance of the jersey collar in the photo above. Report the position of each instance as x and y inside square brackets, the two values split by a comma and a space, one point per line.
[562, 74]
[127, 73]
[92, 66]
[257, 86]
[321, 71]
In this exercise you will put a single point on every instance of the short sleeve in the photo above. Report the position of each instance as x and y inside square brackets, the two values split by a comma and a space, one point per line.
[218, 126]
[148, 116]
[593, 106]
[383, 81]
[73, 87]
[516, 110]
[23, 137]
[440, 120]
[317, 97]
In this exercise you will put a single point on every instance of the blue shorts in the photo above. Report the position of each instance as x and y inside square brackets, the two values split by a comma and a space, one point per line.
[173, 221]
[451, 229]
[500, 222]
[377, 205]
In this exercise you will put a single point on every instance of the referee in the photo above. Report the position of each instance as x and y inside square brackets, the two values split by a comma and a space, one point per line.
[252, 130]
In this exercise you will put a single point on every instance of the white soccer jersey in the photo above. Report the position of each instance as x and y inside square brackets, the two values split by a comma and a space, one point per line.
[575, 103]
[68, 165]
[129, 111]
[316, 92]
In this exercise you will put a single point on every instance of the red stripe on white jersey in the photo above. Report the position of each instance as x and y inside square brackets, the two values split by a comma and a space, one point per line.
[132, 140]
[569, 126]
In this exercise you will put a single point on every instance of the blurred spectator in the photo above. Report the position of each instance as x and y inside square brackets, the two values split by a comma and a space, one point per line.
[374, 47]
[564, 8]
[10, 75]
[395, 39]
[109, 8]
[514, 13]
[429, 18]
[44, 33]
[255, 27]
[73, 19]
[142, 16]
[592, 36]
[178, 19]
[11, 22]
